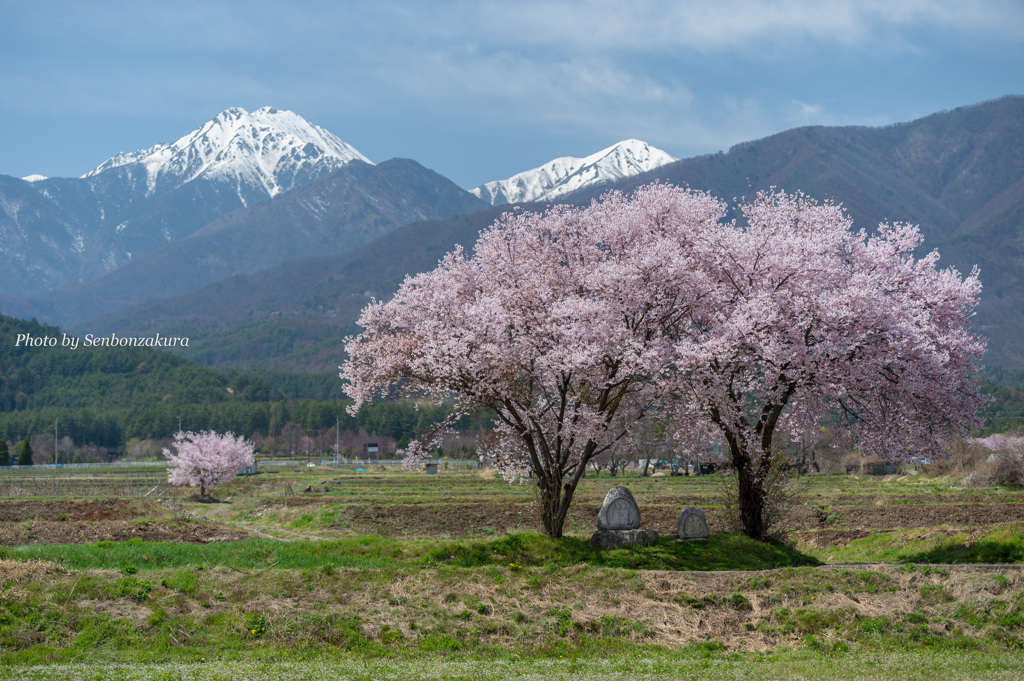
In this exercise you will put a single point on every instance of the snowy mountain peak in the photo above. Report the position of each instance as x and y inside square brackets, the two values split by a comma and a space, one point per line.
[565, 175]
[269, 150]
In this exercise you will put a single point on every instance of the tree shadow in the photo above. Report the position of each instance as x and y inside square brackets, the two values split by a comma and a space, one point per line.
[205, 499]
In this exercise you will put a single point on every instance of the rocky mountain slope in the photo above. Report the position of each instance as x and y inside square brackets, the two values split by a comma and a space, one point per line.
[562, 176]
[55, 231]
[330, 215]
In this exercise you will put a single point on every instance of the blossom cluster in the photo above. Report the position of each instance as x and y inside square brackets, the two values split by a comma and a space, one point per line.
[207, 458]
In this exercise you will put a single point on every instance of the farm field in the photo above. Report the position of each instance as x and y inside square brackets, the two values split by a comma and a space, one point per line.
[324, 573]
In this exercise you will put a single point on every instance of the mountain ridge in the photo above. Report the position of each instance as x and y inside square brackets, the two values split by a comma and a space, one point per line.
[562, 176]
[332, 214]
[270, 147]
[57, 231]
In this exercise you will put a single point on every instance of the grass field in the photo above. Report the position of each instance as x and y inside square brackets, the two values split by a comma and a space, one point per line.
[647, 665]
[318, 573]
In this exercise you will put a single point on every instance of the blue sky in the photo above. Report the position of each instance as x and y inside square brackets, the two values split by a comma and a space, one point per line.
[481, 90]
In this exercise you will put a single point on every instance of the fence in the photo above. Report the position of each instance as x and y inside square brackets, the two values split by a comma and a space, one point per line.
[152, 485]
[260, 461]
[78, 466]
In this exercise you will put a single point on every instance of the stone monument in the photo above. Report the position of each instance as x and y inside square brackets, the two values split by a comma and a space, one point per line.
[692, 524]
[618, 522]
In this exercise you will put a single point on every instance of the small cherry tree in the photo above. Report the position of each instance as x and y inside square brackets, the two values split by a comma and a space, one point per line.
[206, 459]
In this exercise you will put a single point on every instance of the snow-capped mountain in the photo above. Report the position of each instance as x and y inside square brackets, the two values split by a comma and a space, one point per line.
[56, 231]
[565, 175]
[270, 149]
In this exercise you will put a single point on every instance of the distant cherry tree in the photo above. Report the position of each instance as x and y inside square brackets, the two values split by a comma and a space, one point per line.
[206, 459]
[576, 324]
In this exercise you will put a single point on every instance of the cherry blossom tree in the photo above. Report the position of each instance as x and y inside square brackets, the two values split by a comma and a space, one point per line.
[801, 321]
[560, 323]
[574, 324]
[206, 459]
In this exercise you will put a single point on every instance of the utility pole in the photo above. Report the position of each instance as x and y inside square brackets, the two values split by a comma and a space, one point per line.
[55, 460]
[337, 441]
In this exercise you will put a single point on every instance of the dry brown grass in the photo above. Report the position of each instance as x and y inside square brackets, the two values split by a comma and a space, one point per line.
[21, 571]
[672, 609]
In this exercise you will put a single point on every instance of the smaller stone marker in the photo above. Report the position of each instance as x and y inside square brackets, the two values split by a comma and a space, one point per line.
[692, 524]
[431, 469]
[618, 522]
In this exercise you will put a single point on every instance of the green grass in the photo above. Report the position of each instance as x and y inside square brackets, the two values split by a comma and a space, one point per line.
[358, 552]
[720, 552]
[1000, 545]
[697, 663]
[188, 614]
[522, 605]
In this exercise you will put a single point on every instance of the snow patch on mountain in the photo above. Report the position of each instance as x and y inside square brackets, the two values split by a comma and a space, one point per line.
[565, 175]
[34, 178]
[268, 148]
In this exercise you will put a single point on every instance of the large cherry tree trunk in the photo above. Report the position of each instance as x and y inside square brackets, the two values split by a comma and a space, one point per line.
[753, 463]
[751, 500]
[557, 479]
[752, 455]
[553, 506]
[556, 493]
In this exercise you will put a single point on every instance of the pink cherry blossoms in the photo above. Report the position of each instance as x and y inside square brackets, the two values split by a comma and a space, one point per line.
[206, 459]
[574, 324]
[802, 322]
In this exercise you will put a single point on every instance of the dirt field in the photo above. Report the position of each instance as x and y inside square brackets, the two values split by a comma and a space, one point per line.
[57, 509]
[91, 531]
[81, 522]
[834, 510]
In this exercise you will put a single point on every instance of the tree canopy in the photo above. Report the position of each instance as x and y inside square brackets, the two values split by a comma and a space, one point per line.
[25, 453]
[206, 459]
[798, 319]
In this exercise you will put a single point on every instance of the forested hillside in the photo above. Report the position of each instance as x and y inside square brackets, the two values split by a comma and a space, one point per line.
[107, 396]
[36, 377]
[113, 428]
[293, 317]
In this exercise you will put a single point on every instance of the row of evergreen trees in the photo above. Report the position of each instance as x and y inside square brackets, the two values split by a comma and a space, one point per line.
[401, 421]
[23, 457]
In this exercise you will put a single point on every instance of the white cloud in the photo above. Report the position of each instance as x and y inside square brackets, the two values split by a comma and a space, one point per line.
[687, 76]
[737, 26]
